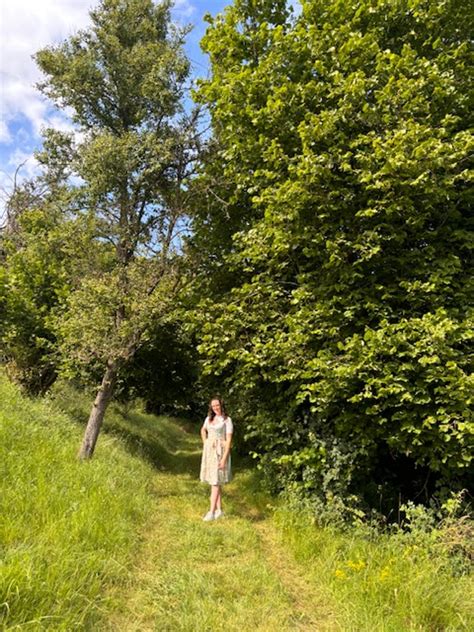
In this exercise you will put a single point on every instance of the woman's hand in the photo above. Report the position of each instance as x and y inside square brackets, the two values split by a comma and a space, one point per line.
[222, 464]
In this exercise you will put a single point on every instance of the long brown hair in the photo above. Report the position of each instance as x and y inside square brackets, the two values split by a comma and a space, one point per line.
[210, 413]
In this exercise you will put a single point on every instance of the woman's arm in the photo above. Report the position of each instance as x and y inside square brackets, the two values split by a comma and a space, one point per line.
[203, 433]
[228, 444]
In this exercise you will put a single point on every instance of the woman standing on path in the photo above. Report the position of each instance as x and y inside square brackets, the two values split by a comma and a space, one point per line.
[216, 434]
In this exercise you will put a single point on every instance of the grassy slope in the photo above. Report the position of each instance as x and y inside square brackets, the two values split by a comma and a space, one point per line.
[383, 582]
[118, 543]
[66, 528]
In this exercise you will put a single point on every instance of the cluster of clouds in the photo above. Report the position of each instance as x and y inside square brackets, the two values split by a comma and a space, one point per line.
[27, 26]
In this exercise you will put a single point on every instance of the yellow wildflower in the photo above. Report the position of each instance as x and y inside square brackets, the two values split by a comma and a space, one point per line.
[340, 574]
[384, 574]
[356, 566]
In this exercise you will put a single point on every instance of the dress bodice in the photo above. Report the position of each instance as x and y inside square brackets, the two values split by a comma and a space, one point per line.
[217, 430]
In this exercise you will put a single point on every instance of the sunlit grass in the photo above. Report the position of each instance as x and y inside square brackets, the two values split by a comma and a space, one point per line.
[200, 576]
[66, 528]
[118, 544]
[380, 582]
[162, 441]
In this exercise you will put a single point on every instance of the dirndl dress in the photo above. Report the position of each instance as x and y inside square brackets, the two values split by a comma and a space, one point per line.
[213, 449]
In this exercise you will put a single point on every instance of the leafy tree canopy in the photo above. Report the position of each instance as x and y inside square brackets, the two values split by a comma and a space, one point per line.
[344, 325]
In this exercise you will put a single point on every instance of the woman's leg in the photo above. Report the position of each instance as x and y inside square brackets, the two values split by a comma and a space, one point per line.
[219, 499]
[215, 490]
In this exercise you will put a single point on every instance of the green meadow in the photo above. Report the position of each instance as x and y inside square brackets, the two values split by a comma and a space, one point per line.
[117, 543]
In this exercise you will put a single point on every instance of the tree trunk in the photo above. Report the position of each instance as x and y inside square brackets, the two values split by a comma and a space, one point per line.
[98, 411]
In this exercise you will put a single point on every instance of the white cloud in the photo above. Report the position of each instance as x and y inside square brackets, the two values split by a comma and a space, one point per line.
[183, 9]
[26, 27]
[21, 166]
[29, 163]
[5, 136]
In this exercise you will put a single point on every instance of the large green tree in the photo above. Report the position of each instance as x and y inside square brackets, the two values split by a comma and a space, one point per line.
[342, 331]
[124, 79]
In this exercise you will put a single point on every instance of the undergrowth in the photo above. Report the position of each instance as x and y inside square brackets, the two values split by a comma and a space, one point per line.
[413, 576]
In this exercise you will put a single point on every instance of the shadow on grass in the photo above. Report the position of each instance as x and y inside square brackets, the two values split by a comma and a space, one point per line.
[248, 496]
[167, 445]
[173, 445]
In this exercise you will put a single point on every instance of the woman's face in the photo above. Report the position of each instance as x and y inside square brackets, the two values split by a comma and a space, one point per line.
[216, 406]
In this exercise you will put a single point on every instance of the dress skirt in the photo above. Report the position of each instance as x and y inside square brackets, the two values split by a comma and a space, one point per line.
[213, 450]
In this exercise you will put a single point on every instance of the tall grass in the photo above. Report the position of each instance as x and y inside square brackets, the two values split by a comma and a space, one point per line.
[66, 528]
[383, 582]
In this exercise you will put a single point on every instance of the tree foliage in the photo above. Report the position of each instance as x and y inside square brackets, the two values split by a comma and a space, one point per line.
[344, 336]
[43, 248]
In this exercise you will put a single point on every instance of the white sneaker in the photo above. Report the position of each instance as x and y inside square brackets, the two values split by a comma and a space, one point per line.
[219, 514]
[208, 517]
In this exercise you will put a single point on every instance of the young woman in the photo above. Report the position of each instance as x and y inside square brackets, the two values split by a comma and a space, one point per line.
[216, 434]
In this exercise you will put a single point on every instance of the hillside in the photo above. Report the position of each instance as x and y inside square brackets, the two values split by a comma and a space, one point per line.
[118, 543]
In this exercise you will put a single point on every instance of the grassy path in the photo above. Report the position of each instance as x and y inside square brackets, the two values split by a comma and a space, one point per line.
[231, 574]
[118, 543]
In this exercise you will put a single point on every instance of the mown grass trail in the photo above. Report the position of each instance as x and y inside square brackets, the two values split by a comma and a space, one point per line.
[231, 574]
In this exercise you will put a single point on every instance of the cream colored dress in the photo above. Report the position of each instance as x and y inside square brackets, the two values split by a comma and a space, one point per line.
[217, 432]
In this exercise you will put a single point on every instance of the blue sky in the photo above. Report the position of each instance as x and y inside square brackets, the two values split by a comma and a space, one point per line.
[25, 27]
